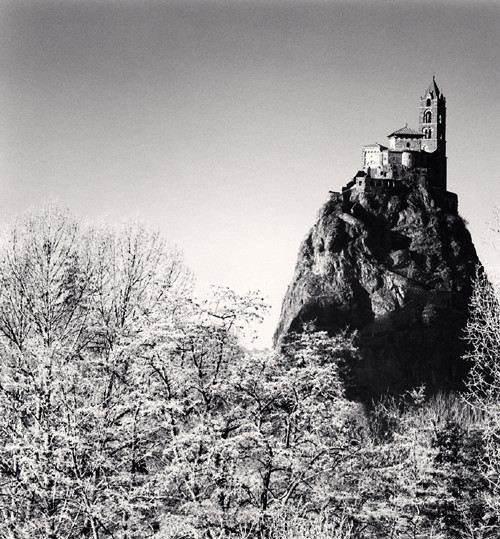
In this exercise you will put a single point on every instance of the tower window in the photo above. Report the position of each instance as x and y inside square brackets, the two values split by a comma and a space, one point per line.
[427, 117]
[428, 133]
[428, 102]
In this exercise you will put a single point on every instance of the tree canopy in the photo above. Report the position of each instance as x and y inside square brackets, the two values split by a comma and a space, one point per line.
[130, 409]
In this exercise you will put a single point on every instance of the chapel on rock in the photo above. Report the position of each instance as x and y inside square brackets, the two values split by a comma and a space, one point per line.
[412, 156]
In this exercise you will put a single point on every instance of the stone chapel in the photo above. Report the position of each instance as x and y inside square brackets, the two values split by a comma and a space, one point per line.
[422, 150]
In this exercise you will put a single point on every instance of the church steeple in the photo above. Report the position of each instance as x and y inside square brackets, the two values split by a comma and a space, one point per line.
[432, 124]
[433, 89]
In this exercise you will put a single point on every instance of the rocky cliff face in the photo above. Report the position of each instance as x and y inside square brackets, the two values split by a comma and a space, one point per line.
[397, 267]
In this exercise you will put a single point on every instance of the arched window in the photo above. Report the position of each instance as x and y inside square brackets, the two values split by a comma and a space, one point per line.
[428, 102]
[427, 117]
[407, 144]
[440, 119]
[428, 133]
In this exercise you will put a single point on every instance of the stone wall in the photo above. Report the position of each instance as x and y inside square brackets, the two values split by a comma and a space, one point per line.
[400, 143]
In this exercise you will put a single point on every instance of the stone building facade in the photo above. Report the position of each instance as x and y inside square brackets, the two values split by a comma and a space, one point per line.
[411, 158]
[411, 149]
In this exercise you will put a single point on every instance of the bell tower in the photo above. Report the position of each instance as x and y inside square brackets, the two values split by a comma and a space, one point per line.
[432, 124]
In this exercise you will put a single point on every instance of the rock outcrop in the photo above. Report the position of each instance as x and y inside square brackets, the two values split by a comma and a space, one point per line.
[396, 265]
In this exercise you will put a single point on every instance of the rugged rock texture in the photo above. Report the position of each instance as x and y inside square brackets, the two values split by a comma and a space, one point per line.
[398, 267]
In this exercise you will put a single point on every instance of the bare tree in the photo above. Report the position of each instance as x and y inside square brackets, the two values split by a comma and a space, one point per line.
[483, 336]
[75, 304]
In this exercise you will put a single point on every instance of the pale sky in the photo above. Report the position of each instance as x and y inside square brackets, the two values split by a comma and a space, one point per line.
[225, 123]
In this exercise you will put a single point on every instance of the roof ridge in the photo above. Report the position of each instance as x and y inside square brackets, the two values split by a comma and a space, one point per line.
[406, 131]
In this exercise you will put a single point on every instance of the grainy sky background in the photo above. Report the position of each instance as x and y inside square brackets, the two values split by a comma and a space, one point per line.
[225, 123]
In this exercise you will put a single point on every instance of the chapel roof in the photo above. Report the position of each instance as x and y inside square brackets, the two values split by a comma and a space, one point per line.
[375, 145]
[406, 132]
